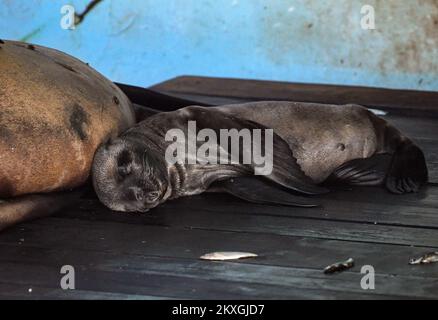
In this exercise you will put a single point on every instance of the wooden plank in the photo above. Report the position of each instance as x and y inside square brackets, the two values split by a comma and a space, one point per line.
[143, 276]
[140, 239]
[14, 291]
[416, 127]
[265, 90]
[303, 227]
[129, 274]
[407, 220]
[361, 205]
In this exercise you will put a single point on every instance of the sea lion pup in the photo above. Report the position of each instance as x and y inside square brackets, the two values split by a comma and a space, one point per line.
[312, 144]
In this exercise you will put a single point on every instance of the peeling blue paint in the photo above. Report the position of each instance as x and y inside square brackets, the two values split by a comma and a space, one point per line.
[143, 42]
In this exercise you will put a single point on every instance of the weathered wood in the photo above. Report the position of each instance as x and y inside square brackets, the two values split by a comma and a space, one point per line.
[54, 235]
[169, 278]
[10, 291]
[359, 206]
[237, 219]
[264, 90]
[146, 275]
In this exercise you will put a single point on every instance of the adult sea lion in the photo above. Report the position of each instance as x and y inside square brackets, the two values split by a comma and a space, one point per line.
[312, 144]
[54, 112]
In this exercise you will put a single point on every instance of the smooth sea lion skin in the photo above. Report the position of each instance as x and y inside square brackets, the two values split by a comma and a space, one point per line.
[54, 112]
[313, 143]
[322, 137]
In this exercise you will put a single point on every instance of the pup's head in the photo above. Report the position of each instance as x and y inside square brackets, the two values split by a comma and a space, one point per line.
[129, 176]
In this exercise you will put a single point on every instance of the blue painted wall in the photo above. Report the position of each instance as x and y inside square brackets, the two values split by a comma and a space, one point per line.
[143, 42]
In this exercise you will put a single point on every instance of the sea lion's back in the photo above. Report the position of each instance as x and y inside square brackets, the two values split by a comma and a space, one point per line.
[54, 112]
[322, 137]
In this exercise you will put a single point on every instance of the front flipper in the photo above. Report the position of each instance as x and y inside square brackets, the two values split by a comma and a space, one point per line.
[288, 173]
[255, 189]
[285, 169]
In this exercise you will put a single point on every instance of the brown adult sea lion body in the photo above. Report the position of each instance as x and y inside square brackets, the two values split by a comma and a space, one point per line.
[313, 143]
[54, 112]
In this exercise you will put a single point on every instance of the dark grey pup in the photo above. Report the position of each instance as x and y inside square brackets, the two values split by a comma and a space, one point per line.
[313, 145]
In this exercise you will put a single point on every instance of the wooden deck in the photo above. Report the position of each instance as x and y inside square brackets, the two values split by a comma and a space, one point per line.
[155, 256]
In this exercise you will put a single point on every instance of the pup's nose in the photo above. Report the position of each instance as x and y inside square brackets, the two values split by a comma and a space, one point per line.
[138, 193]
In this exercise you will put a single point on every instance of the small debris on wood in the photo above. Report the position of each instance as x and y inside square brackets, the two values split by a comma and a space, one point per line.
[426, 259]
[223, 256]
[339, 266]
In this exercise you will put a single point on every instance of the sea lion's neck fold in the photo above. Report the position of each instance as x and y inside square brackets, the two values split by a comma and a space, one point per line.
[177, 177]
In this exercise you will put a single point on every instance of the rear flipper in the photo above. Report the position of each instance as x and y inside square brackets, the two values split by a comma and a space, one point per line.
[408, 170]
[362, 172]
[404, 171]
[255, 189]
[29, 207]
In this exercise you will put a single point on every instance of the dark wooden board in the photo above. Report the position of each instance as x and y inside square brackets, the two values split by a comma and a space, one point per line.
[149, 277]
[265, 90]
[107, 261]
[21, 290]
[212, 213]
[190, 243]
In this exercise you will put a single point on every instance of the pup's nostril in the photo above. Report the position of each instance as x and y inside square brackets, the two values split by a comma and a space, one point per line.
[138, 194]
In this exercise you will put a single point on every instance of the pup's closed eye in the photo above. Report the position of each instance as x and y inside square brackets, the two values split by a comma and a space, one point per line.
[153, 196]
[124, 171]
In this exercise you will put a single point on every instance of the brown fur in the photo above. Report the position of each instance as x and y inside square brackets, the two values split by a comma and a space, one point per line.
[54, 112]
[32, 206]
